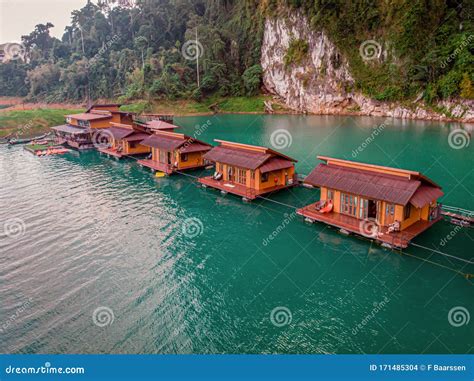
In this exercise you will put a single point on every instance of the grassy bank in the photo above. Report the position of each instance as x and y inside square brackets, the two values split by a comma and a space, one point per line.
[27, 123]
[209, 105]
[33, 122]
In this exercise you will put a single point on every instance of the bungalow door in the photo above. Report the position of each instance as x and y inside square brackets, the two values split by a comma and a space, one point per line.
[389, 214]
[163, 156]
[252, 179]
[230, 173]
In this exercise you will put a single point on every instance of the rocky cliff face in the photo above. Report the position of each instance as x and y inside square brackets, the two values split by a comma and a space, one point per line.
[319, 83]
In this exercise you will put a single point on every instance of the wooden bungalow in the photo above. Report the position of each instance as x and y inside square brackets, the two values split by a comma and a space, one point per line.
[79, 128]
[173, 152]
[124, 140]
[249, 171]
[389, 205]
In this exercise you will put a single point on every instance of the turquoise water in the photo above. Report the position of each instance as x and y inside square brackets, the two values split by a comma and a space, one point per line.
[175, 268]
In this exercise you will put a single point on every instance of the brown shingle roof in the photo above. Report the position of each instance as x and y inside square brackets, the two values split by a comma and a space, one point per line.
[161, 142]
[424, 195]
[274, 164]
[89, 116]
[136, 136]
[66, 128]
[160, 125]
[236, 156]
[373, 185]
[170, 141]
[195, 147]
[118, 132]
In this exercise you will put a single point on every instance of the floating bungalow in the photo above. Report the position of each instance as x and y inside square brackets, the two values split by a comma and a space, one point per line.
[78, 130]
[171, 152]
[249, 171]
[124, 140]
[389, 205]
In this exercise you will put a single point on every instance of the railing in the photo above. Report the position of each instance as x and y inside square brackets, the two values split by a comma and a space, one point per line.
[456, 210]
[150, 117]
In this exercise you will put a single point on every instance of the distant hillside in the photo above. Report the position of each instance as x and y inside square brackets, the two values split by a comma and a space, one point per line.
[398, 51]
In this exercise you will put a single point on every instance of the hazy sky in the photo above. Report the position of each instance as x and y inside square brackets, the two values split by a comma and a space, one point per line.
[18, 17]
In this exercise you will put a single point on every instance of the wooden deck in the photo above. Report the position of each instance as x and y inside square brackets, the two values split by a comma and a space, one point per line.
[351, 224]
[238, 189]
[111, 152]
[165, 168]
[80, 145]
[156, 166]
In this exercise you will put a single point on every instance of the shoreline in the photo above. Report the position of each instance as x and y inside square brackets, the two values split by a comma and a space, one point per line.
[180, 109]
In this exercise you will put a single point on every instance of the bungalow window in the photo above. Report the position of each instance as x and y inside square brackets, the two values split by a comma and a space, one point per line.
[407, 211]
[184, 157]
[264, 177]
[132, 144]
[252, 175]
[330, 195]
[390, 209]
[349, 204]
[364, 209]
[241, 176]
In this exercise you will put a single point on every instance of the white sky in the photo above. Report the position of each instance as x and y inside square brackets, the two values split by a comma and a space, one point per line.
[19, 17]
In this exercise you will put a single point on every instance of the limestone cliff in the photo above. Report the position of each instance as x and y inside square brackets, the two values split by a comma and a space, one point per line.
[321, 82]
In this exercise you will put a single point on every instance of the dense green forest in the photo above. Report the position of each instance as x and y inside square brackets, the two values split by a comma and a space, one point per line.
[146, 49]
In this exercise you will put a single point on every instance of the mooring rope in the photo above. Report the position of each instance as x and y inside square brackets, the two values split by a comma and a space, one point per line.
[440, 252]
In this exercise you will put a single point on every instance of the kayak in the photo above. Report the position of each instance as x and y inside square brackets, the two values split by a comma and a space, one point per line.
[27, 140]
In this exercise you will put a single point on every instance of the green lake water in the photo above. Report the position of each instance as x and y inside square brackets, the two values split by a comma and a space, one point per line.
[98, 256]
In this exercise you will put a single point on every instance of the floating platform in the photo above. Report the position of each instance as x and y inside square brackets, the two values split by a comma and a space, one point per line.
[165, 168]
[111, 152]
[350, 224]
[46, 149]
[238, 189]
